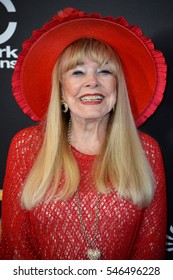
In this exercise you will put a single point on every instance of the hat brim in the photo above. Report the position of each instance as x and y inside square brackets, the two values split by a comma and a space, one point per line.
[139, 64]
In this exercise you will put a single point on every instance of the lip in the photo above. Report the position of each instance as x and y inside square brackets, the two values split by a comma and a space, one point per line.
[95, 97]
[88, 99]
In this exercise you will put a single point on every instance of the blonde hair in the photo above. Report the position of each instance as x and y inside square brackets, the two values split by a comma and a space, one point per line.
[121, 164]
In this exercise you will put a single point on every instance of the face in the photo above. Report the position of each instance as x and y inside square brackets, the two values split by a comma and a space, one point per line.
[89, 90]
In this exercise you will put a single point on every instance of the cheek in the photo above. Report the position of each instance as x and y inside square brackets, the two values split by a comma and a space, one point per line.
[113, 100]
[110, 84]
[113, 95]
[113, 91]
[66, 89]
[114, 85]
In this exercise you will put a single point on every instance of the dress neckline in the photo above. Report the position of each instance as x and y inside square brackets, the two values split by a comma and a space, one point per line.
[80, 154]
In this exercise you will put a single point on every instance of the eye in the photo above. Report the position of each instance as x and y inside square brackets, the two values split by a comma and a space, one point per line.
[77, 73]
[105, 72]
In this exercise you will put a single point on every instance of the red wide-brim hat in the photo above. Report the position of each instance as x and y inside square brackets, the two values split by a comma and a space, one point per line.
[144, 67]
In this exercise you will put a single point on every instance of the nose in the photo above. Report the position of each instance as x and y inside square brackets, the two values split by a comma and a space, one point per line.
[92, 80]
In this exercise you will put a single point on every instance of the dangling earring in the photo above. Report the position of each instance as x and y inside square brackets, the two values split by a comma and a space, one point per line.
[64, 106]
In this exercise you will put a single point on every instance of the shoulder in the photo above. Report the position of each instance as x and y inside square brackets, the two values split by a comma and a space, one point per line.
[26, 142]
[151, 147]
[28, 136]
[147, 140]
[22, 152]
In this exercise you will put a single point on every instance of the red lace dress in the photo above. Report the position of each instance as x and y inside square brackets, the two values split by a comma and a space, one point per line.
[53, 231]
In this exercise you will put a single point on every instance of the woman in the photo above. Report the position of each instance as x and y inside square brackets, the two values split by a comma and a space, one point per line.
[84, 183]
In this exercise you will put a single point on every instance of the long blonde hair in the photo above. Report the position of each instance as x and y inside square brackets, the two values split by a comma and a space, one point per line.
[122, 161]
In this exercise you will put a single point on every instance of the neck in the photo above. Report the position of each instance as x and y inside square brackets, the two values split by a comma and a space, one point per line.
[88, 136]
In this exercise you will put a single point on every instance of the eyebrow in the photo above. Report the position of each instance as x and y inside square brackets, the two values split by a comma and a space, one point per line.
[82, 63]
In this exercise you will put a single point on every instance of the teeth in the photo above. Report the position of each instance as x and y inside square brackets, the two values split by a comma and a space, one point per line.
[91, 97]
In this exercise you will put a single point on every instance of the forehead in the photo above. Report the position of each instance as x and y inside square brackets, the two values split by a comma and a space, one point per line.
[90, 62]
[69, 62]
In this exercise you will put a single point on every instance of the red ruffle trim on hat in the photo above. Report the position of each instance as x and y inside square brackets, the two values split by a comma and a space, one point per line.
[160, 86]
[72, 14]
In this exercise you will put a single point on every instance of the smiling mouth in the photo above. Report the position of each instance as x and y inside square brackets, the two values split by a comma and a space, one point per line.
[92, 98]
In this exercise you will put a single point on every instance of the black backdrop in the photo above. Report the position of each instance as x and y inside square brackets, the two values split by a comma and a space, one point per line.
[18, 19]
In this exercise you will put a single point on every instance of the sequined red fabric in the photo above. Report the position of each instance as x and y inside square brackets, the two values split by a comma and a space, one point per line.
[53, 231]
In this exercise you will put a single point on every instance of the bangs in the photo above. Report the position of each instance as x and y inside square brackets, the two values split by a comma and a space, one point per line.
[95, 50]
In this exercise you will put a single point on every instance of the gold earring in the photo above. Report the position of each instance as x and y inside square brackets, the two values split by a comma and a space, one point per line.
[64, 106]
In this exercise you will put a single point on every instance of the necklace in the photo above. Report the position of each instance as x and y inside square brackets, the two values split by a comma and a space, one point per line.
[93, 252]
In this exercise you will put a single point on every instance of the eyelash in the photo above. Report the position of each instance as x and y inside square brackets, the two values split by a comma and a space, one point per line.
[107, 72]
[79, 72]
